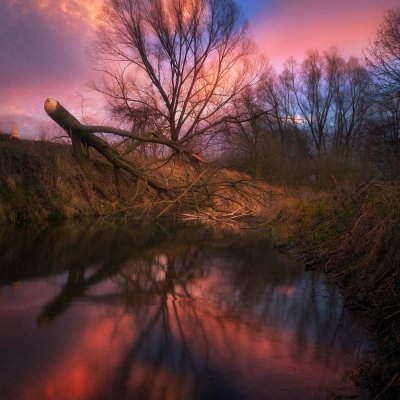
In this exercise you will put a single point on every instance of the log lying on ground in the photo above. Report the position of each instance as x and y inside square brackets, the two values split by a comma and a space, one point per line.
[68, 122]
[85, 135]
[210, 192]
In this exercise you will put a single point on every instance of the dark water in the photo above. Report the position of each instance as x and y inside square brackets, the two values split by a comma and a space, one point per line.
[96, 311]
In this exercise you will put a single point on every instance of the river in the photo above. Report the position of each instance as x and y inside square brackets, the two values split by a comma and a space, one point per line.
[108, 310]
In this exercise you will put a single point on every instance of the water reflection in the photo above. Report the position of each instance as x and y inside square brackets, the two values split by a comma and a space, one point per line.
[100, 311]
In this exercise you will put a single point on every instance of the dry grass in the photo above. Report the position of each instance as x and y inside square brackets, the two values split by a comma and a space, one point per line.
[353, 234]
[201, 193]
[40, 181]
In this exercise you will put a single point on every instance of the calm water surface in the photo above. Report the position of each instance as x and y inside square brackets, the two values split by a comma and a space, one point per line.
[100, 311]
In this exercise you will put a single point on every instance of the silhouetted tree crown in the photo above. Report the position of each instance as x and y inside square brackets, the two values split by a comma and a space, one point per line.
[174, 67]
[383, 54]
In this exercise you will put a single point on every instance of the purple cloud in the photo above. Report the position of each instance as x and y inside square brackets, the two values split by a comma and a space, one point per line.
[43, 52]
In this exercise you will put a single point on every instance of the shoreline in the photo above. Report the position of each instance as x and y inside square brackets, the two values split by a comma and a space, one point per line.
[350, 233]
[365, 267]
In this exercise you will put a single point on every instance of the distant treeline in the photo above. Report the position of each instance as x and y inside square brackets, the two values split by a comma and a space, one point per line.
[325, 119]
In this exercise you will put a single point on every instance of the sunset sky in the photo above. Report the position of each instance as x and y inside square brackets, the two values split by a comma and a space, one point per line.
[43, 46]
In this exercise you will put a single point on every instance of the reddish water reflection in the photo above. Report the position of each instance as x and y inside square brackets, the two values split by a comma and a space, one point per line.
[141, 315]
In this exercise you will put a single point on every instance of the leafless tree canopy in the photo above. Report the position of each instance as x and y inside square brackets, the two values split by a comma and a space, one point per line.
[173, 67]
[331, 99]
[383, 58]
[383, 54]
[178, 73]
[318, 109]
[174, 71]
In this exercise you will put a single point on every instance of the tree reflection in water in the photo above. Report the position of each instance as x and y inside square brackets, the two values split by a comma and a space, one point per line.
[190, 314]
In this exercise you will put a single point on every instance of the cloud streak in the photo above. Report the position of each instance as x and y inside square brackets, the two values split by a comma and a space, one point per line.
[289, 27]
[43, 52]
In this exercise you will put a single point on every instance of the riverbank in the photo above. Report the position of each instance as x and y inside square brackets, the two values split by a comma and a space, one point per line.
[40, 181]
[352, 233]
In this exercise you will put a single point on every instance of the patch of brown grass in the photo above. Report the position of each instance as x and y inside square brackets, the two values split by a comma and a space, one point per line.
[40, 180]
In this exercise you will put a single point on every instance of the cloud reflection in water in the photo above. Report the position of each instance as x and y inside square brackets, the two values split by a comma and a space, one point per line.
[110, 313]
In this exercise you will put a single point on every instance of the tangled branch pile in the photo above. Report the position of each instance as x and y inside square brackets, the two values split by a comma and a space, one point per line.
[181, 184]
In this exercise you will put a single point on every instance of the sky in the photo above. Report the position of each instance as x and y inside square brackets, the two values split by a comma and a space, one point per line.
[43, 47]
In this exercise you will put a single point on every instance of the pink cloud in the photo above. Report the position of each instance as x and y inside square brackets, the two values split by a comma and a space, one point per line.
[71, 12]
[289, 27]
[43, 46]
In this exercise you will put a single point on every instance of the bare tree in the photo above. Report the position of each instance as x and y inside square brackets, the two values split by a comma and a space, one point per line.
[244, 139]
[383, 58]
[351, 105]
[383, 54]
[329, 98]
[173, 71]
[384, 137]
[179, 63]
[312, 87]
[269, 140]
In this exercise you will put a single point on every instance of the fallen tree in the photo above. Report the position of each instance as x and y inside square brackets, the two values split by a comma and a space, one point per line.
[83, 136]
[196, 189]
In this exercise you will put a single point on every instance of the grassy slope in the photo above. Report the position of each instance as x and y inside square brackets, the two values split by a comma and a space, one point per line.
[40, 180]
[353, 234]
